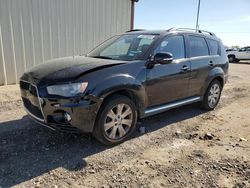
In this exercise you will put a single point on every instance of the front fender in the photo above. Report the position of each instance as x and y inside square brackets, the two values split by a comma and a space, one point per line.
[121, 82]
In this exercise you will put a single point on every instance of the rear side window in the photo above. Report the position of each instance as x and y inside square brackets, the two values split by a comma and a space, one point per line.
[173, 45]
[214, 47]
[198, 46]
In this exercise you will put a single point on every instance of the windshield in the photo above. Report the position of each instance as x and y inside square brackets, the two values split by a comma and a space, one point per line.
[124, 47]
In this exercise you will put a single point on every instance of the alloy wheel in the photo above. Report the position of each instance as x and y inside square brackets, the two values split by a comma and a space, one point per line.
[214, 95]
[118, 121]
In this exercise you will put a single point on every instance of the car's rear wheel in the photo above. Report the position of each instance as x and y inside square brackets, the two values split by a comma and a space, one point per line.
[116, 120]
[212, 95]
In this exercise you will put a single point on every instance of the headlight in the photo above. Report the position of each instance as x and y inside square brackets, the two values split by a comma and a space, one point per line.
[67, 90]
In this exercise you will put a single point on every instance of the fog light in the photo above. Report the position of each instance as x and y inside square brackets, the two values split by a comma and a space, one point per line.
[67, 117]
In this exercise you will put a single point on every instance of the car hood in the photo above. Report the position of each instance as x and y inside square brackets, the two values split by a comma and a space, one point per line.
[66, 69]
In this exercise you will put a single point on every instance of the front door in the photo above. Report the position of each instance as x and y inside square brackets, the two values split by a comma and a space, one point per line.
[241, 53]
[168, 83]
[244, 53]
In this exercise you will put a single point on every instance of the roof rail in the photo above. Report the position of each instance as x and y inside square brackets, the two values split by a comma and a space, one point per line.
[170, 29]
[191, 29]
[135, 30]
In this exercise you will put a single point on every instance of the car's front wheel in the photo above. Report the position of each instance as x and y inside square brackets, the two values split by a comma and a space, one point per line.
[231, 58]
[116, 120]
[212, 95]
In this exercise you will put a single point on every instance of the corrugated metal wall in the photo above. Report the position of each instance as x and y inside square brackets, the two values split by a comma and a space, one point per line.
[33, 31]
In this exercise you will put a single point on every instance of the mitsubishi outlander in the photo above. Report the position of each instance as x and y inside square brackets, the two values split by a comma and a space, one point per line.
[128, 77]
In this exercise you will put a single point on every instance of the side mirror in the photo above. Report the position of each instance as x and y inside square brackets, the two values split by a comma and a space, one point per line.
[163, 58]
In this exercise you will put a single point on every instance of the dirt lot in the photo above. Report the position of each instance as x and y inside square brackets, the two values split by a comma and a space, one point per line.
[185, 147]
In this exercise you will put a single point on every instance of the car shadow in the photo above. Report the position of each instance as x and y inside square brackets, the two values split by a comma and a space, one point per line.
[33, 150]
[153, 123]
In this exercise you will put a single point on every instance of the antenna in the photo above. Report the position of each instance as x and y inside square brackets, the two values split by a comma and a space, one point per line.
[198, 14]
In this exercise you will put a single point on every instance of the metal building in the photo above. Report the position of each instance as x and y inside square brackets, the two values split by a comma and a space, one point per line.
[33, 31]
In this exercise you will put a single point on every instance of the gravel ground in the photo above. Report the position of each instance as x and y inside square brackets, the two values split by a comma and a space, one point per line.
[184, 147]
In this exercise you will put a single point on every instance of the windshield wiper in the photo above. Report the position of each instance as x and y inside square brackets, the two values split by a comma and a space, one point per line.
[102, 57]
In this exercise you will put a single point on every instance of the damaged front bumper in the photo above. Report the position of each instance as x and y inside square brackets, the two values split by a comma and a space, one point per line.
[63, 114]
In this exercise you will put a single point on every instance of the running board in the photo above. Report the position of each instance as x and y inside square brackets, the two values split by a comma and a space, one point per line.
[158, 109]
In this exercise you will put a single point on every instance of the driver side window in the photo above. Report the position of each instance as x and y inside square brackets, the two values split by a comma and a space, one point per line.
[242, 50]
[173, 45]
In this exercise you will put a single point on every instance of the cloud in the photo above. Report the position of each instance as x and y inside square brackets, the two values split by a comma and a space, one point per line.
[247, 19]
[239, 20]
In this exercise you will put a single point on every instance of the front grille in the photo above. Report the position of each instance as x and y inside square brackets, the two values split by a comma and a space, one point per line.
[31, 100]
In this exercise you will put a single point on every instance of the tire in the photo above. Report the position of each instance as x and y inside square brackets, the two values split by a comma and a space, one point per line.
[231, 58]
[116, 120]
[212, 95]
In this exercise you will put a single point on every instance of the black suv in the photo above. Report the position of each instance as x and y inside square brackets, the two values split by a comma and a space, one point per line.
[130, 76]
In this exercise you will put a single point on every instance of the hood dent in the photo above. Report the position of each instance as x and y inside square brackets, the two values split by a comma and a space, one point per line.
[96, 69]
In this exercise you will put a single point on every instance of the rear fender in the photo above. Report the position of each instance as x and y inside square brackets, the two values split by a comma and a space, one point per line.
[216, 72]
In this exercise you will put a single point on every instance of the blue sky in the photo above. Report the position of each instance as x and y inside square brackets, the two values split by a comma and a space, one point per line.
[228, 19]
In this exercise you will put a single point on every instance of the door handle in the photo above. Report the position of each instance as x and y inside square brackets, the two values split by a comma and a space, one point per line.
[185, 68]
[211, 63]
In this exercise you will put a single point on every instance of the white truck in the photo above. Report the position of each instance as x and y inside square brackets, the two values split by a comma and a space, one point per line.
[237, 55]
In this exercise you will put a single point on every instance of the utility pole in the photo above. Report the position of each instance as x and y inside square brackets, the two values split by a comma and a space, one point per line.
[198, 14]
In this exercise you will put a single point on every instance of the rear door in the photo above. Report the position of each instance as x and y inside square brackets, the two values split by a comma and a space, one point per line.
[201, 63]
[169, 82]
[215, 51]
[247, 53]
